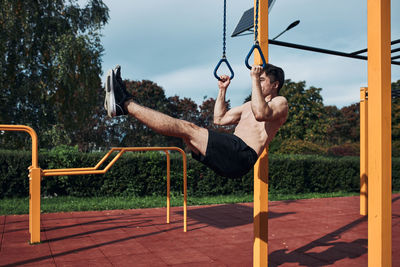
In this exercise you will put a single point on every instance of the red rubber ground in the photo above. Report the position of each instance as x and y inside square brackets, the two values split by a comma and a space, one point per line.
[316, 232]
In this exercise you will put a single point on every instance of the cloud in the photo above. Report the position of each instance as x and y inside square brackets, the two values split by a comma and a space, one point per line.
[340, 79]
[197, 82]
[177, 43]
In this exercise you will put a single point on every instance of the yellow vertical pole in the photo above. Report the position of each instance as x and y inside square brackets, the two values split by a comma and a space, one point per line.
[379, 135]
[168, 185]
[363, 151]
[34, 204]
[260, 224]
[260, 246]
[184, 192]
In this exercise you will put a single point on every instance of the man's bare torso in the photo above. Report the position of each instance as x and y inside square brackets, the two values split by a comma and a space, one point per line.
[256, 134]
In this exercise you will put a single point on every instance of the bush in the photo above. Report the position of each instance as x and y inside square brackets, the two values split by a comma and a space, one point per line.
[295, 146]
[141, 174]
[14, 180]
[293, 174]
[348, 149]
[396, 148]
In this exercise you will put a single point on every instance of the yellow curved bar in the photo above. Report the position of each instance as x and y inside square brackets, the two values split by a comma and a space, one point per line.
[32, 133]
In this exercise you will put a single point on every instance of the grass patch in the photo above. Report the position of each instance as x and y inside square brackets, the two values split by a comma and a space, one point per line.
[64, 204]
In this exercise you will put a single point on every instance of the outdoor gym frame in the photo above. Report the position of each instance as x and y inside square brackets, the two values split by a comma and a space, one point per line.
[375, 143]
[36, 174]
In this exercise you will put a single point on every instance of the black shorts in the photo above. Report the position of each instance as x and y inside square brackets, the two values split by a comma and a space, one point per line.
[227, 155]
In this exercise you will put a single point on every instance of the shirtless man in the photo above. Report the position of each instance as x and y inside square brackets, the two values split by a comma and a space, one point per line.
[229, 155]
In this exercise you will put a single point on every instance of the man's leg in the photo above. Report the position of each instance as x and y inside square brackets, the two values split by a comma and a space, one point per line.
[119, 102]
[194, 136]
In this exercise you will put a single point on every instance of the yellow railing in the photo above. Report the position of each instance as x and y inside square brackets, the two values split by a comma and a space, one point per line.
[36, 174]
[32, 133]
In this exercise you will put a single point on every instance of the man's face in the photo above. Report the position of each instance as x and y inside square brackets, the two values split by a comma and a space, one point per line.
[266, 86]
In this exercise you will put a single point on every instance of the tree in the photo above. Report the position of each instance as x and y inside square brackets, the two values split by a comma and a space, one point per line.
[333, 114]
[344, 124]
[396, 121]
[306, 120]
[51, 65]
[396, 113]
[184, 109]
[207, 116]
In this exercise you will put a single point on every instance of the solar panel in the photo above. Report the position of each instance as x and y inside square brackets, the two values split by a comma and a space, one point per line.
[246, 22]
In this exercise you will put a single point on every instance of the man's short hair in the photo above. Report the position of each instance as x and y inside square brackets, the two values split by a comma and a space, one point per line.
[275, 73]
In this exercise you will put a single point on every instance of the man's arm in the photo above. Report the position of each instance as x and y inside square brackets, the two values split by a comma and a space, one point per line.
[275, 109]
[222, 116]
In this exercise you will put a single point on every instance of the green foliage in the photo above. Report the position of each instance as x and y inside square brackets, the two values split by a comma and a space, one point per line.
[396, 113]
[348, 149]
[344, 124]
[305, 174]
[291, 146]
[306, 120]
[396, 148]
[14, 180]
[144, 174]
[50, 67]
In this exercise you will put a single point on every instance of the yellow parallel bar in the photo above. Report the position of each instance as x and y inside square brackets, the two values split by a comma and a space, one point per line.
[83, 169]
[122, 150]
[379, 135]
[363, 151]
[32, 133]
[260, 224]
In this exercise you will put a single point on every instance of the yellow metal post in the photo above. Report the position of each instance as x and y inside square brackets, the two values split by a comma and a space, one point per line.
[363, 151]
[184, 191]
[379, 135]
[34, 204]
[260, 224]
[168, 185]
[260, 246]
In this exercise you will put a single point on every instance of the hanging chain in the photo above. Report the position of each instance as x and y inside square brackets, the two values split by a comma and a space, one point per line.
[223, 59]
[256, 25]
[224, 33]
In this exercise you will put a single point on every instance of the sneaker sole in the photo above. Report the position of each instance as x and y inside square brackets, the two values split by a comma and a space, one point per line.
[110, 96]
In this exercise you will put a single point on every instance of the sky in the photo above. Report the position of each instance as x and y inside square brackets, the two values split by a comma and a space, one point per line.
[177, 44]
